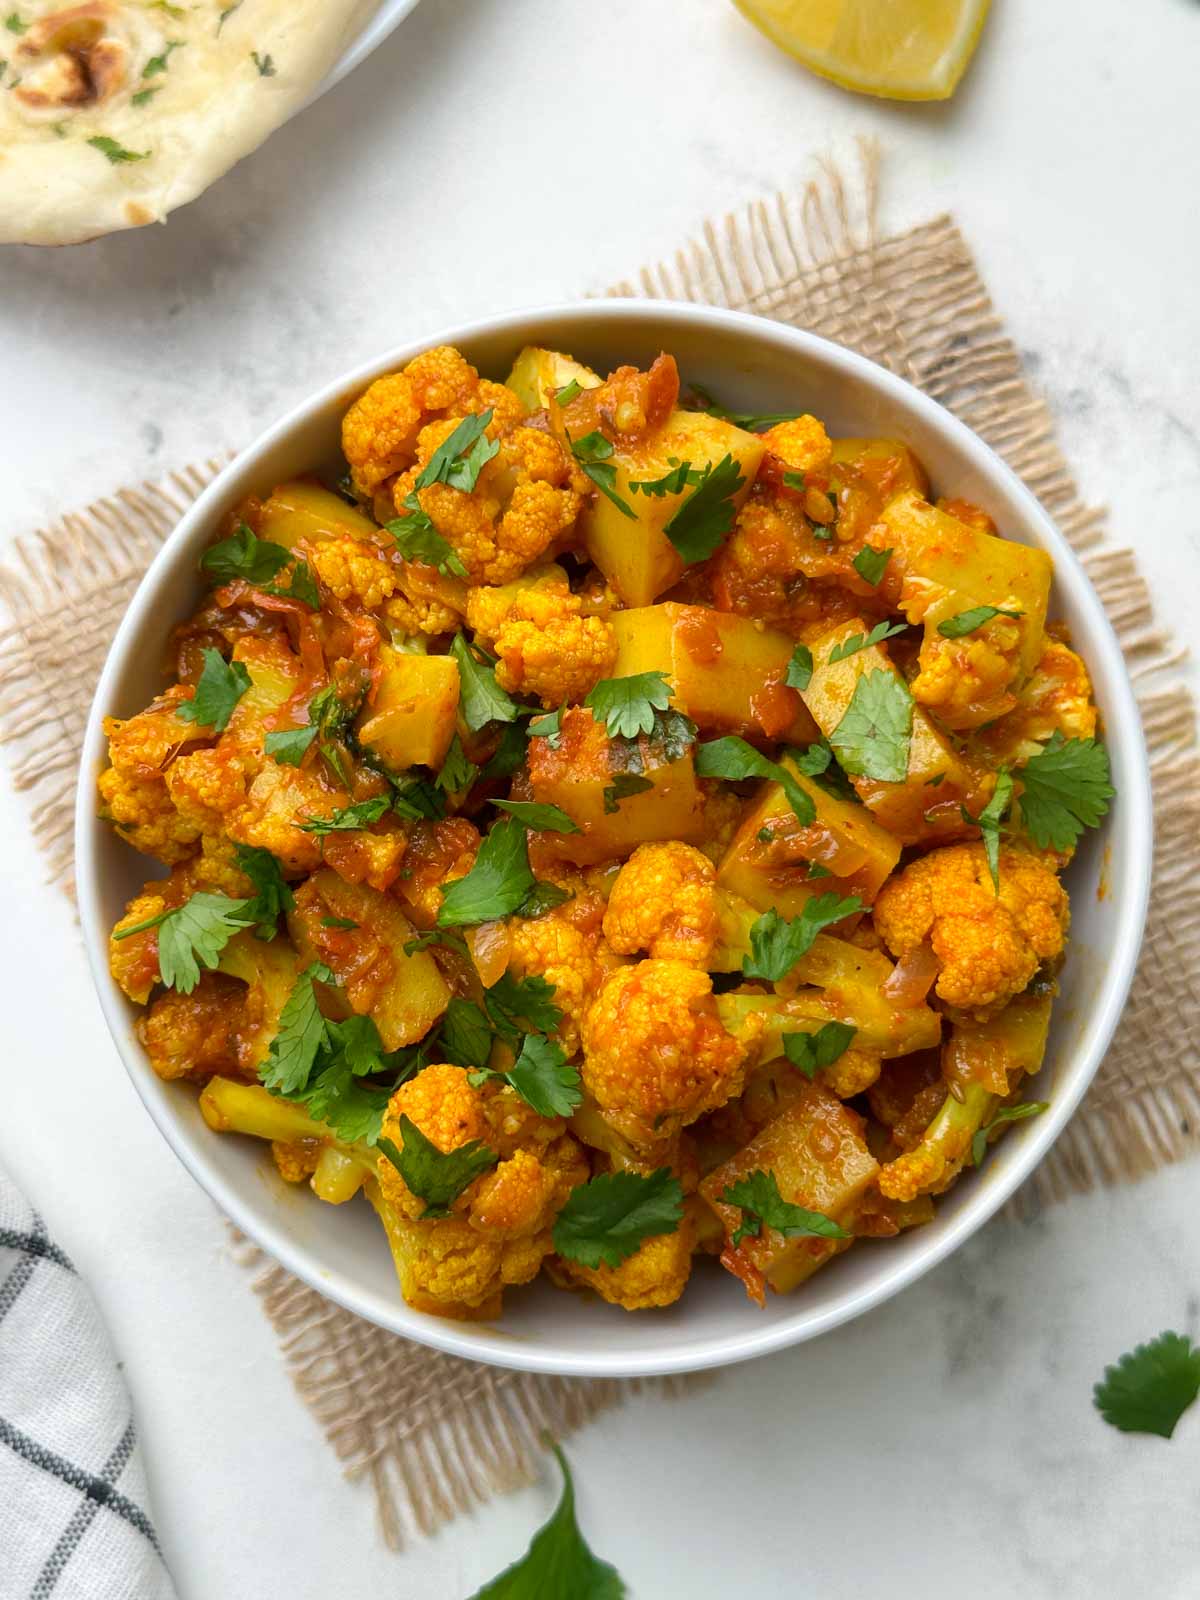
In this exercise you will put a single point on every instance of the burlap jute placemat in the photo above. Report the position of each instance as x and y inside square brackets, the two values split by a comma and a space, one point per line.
[434, 1434]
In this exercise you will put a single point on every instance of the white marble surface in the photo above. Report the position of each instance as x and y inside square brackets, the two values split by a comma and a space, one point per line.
[945, 1444]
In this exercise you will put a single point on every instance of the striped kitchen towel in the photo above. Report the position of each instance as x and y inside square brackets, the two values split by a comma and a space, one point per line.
[73, 1517]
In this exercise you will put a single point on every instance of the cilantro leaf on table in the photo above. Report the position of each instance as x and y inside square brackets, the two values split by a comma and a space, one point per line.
[1150, 1388]
[964, 622]
[732, 758]
[989, 819]
[349, 819]
[288, 745]
[272, 896]
[777, 943]
[457, 774]
[1017, 1113]
[623, 786]
[243, 555]
[535, 814]
[192, 934]
[483, 700]
[701, 522]
[809, 1052]
[1065, 788]
[870, 564]
[626, 706]
[222, 684]
[593, 452]
[872, 739]
[558, 1562]
[432, 1176]
[799, 669]
[544, 1078]
[855, 642]
[606, 1219]
[762, 1205]
[497, 883]
[299, 1037]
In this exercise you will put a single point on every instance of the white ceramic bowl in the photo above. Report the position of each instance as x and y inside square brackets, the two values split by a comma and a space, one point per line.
[751, 364]
[389, 14]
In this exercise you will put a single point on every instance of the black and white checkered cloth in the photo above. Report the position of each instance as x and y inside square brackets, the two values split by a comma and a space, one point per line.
[73, 1510]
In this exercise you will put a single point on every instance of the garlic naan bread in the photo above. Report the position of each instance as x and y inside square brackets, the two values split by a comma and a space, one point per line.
[114, 112]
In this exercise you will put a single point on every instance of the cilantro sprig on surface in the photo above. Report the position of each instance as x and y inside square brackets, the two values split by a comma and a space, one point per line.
[194, 934]
[221, 685]
[872, 739]
[809, 1052]
[964, 622]
[497, 883]
[626, 706]
[558, 1562]
[593, 453]
[1017, 1113]
[434, 1177]
[777, 943]
[732, 758]
[1064, 789]
[701, 522]
[1150, 1387]
[762, 1205]
[606, 1219]
[859, 641]
[482, 698]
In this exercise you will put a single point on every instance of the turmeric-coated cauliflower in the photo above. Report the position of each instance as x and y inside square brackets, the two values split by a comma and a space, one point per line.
[1056, 698]
[968, 681]
[140, 810]
[546, 648]
[664, 902]
[525, 501]
[196, 1035]
[656, 1274]
[352, 570]
[571, 956]
[379, 432]
[207, 786]
[656, 1055]
[801, 443]
[988, 944]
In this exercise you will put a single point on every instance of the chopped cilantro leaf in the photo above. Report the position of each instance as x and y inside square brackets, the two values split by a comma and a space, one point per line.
[466, 1035]
[872, 739]
[496, 885]
[300, 1035]
[1065, 788]
[510, 753]
[457, 773]
[417, 799]
[870, 563]
[541, 898]
[607, 1219]
[675, 481]
[732, 758]
[345, 923]
[194, 933]
[14, 23]
[544, 1078]
[623, 787]
[777, 943]
[349, 819]
[287, 745]
[243, 555]
[800, 668]
[795, 482]
[811, 1051]
[626, 706]
[856, 641]
[265, 65]
[538, 816]
[483, 700]
[988, 822]
[461, 456]
[592, 453]
[1150, 1388]
[222, 684]
[272, 896]
[116, 153]
[1017, 1113]
[706, 516]
[418, 540]
[762, 1205]
[516, 1005]
[964, 622]
[549, 727]
[157, 64]
[433, 1177]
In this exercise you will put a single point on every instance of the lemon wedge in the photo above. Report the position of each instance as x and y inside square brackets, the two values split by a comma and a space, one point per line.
[900, 49]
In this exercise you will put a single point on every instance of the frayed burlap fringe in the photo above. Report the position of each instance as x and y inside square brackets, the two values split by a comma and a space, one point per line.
[436, 1435]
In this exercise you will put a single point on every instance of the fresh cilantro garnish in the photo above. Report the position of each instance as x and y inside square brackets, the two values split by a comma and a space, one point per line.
[967, 621]
[227, 11]
[812, 1051]
[626, 706]
[157, 64]
[682, 474]
[795, 481]
[762, 1205]
[777, 943]
[592, 453]
[607, 1219]
[541, 898]
[482, 700]
[510, 753]
[816, 762]
[988, 822]
[116, 153]
[417, 799]
[870, 563]
[816, 870]
[222, 684]
[301, 585]
[14, 24]
[299, 1037]
[287, 745]
[194, 933]
[706, 516]
[497, 883]
[1065, 788]
[433, 1177]
[1017, 1113]
[558, 1563]
[465, 1035]
[344, 923]
[734, 759]
[516, 1005]
[266, 67]
[418, 540]
[272, 896]
[1151, 1387]
[349, 819]
[461, 456]
[858, 641]
[544, 1078]
[564, 396]
[457, 773]
[936, 781]
[623, 787]
[549, 727]
[752, 421]
[673, 733]
[351, 1050]
[799, 669]
[765, 836]
[327, 718]
[142, 98]
[873, 737]
[244, 555]
[542, 818]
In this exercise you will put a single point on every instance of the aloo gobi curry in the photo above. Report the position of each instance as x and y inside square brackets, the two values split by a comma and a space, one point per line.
[607, 830]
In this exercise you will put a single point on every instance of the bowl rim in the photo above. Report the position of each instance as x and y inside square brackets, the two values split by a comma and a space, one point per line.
[721, 1348]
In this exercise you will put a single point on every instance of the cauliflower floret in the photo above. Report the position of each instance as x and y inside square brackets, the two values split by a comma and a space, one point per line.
[665, 903]
[142, 746]
[988, 945]
[352, 570]
[140, 810]
[801, 443]
[420, 614]
[133, 960]
[379, 432]
[572, 957]
[437, 852]
[207, 786]
[1056, 699]
[656, 1055]
[656, 1274]
[555, 654]
[197, 1035]
[967, 681]
[489, 607]
[277, 801]
[499, 1232]
[526, 500]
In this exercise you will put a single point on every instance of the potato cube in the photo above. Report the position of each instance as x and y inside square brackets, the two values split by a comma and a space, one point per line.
[886, 466]
[303, 510]
[538, 374]
[635, 554]
[726, 671]
[410, 720]
[585, 776]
